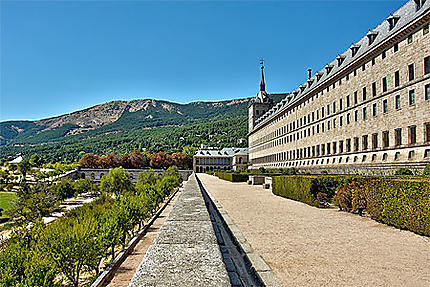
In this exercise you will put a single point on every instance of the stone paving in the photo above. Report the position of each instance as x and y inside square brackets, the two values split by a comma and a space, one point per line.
[308, 246]
[185, 252]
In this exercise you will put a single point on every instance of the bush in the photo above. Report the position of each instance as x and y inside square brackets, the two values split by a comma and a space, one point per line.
[233, 177]
[403, 171]
[306, 188]
[427, 170]
[403, 203]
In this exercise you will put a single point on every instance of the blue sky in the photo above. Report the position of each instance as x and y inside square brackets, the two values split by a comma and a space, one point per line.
[62, 56]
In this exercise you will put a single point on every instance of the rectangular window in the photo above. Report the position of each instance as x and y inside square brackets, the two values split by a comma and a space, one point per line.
[356, 144]
[398, 102]
[374, 110]
[355, 97]
[385, 139]
[427, 65]
[427, 132]
[411, 72]
[328, 110]
[334, 147]
[322, 112]
[365, 142]
[364, 94]
[412, 97]
[396, 47]
[398, 137]
[348, 145]
[334, 123]
[375, 141]
[363, 67]
[356, 116]
[373, 61]
[427, 92]
[412, 134]
[410, 38]
[374, 89]
[348, 101]
[328, 148]
[328, 125]
[340, 121]
[348, 118]
[340, 146]
[385, 106]
[397, 78]
[364, 113]
[426, 29]
[384, 54]
[384, 84]
[340, 104]
[334, 107]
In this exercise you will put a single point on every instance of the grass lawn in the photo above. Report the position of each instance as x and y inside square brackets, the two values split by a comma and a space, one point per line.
[6, 200]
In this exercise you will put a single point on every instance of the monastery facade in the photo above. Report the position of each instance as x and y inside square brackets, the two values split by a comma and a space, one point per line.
[368, 110]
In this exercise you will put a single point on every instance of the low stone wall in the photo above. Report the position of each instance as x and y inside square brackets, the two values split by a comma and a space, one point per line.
[256, 179]
[98, 173]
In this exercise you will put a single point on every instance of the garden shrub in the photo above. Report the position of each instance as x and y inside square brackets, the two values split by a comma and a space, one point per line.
[403, 171]
[233, 177]
[427, 170]
[400, 202]
[306, 188]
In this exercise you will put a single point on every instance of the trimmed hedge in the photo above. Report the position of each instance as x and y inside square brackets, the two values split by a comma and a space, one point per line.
[313, 190]
[233, 177]
[400, 202]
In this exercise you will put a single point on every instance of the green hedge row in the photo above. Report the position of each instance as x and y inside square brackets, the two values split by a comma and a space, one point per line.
[400, 202]
[313, 190]
[233, 177]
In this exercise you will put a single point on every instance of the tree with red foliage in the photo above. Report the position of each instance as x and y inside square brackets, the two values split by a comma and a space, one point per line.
[89, 160]
[137, 159]
[158, 160]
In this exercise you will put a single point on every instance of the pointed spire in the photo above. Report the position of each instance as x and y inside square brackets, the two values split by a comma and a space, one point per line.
[262, 84]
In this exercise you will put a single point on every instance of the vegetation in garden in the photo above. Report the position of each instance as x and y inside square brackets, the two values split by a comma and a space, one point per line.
[137, 159]
[401, 202]
[73, 249]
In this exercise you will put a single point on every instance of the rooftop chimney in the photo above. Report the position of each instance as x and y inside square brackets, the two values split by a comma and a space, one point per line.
[309, 73]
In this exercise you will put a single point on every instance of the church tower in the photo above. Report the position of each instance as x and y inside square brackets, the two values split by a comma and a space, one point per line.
[260, 104]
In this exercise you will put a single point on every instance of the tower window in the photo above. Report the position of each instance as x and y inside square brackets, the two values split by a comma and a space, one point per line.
[398, 102]
[412, 134]
[426, 29]
[385, 139]
[410, 38]
[427, 92]
[411, 72]
[396, 78]
[398, 136]
[374, 89]
[385, 106]
[412, 97]
[374, 110]
[427, 65]
[384, 84]
[396, 47]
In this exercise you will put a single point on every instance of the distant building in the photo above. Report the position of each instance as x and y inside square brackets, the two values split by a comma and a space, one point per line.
[16, 161]
[226, 158]
[366, 111]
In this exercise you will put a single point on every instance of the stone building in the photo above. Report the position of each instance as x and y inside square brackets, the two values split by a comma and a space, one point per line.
[226, 158]
[366, 111]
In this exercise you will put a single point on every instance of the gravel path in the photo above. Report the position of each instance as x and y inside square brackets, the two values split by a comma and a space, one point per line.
[308, 246]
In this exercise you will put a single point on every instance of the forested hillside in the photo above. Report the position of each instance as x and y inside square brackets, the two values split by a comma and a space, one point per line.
[144, 124]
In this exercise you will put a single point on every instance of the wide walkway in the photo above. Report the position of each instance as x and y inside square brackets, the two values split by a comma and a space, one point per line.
[307, 246]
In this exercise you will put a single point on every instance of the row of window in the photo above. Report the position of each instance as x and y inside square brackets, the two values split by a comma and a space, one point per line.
[411, 76]
[355, 144]
[332, 124]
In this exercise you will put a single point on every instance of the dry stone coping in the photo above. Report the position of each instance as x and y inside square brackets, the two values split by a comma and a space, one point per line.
[185, 252]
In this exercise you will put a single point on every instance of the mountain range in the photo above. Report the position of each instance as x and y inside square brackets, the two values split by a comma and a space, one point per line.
[120, 126]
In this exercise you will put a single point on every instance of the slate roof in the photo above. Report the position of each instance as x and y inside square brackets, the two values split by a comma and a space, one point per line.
[225, 152]
[404, 16]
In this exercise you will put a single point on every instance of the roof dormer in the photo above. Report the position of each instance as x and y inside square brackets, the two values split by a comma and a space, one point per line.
[354, 49]
[371, 35]
[392, 20]
[328, 68]
[340, 59]
[319, 75]
[419, 4]
[310, 81]
[302, 87]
